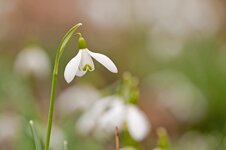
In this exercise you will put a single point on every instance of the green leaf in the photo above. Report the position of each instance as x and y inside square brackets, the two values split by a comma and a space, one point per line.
[68, 36]
[37, 141]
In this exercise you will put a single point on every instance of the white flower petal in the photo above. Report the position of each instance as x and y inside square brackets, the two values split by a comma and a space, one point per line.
[137, 123]
[57, 136]
[105, 61]
[87, 121]
[113, 117]
[72, 67]
[86, 61]
[76, 99]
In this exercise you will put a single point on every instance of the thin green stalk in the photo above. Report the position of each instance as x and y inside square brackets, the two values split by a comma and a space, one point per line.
[69, 35]
[37, 141]
[51, 108]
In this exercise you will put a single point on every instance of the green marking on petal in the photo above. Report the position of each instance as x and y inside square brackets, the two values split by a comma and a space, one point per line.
[87, 66]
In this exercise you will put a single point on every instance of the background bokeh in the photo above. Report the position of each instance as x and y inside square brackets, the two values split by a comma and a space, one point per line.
[176, 48]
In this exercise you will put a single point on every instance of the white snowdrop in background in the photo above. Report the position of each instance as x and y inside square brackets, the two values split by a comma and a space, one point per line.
[175, 92]
[110, 112]
[75, 98]
[10, 125]
[33, 61]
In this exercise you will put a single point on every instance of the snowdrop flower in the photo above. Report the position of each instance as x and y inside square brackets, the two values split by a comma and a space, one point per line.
[33, 61]
[58, 136]
[9, 127]
[179, 95]
[193, 139]
[82, 62]
[110, 112]
[75, 98]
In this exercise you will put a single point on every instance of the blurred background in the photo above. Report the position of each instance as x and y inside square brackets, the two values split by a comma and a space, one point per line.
[177, 49]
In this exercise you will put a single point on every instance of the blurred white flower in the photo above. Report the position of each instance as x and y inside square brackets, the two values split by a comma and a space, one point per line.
[88, 120]
[9, 127]
[183, 17]
[179, 17]
[175, 92]
[127, 148]
[33, 61]
[75, 98]
[193, 140]
[82, 62]
[108, 13]
[110, 112]
[57, 138]
[171, 23]
[176, 21]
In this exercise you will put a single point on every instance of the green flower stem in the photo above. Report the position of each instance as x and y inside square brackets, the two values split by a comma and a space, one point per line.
[69, 35]
[51, 108]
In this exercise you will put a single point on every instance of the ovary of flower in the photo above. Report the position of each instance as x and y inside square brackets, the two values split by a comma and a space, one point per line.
[82, 62]
[110, 112]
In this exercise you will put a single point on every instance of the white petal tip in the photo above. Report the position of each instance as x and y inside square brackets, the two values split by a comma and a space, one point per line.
[115, 71]
[68, 80]
[105, 61]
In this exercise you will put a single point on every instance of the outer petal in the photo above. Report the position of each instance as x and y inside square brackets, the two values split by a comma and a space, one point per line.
[112, 117]
[105, 61]
[137, 123]
[88, 120]
[72, 67]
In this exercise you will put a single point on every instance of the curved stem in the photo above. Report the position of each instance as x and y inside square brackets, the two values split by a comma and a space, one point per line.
[52, 101]
[68, 36]
[79, 34]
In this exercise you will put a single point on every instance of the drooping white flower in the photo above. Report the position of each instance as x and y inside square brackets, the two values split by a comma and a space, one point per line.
[82, 62]
[110, 112]
[33, 61]
[58, 136]
[179, 95]
[75, 99]
[10, 126]
[88, 121]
